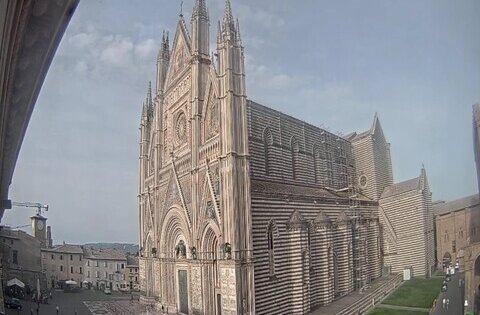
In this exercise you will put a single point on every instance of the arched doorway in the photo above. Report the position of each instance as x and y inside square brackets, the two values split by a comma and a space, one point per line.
[210, 249]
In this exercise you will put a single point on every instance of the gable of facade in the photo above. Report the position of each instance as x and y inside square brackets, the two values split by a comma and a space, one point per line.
[407, 217]
[372, 158]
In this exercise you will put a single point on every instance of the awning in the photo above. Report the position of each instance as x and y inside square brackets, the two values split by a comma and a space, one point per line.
[16, 282]
[70, 282]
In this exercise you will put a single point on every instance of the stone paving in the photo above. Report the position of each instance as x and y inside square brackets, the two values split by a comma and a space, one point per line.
[118, 307]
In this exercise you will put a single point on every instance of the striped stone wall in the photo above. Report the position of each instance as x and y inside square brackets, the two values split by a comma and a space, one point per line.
[284, 148]
[304, 276]
[410, 214]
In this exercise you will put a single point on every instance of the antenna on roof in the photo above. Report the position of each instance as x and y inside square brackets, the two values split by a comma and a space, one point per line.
[181, 8]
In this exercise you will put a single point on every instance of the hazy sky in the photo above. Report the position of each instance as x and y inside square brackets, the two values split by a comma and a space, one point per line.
[331, 63]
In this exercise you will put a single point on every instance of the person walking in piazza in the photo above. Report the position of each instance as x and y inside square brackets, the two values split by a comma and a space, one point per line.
[444, 301]
[57, 309]
[448, 302]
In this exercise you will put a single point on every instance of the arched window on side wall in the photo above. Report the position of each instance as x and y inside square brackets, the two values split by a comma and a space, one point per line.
[267, 147]
[295, 149]
[272, 233]
[317, 163]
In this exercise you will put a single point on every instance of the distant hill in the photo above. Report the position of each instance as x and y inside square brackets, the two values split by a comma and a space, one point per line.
[131, 249]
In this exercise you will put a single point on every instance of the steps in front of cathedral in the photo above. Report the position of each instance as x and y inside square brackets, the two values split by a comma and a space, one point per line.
[359, 303]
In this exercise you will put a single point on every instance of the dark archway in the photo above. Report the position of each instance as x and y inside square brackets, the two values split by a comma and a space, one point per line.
[477, 267]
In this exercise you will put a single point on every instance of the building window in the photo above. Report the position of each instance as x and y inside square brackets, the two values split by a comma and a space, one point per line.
[79, 257]
[15, 257]
[445, 237]
[316, 163]
[71, 257]
[267, 147]
[454, 246]
[97, 274]
[105, 264]
[71, 269]
[53, 257]
[81, 271]
[61, 257]
[88, 273]
[272, 231]
[61, 268]
[123, 266]
[295, 150]
[88, 263]
[96, 263]
[106, 275]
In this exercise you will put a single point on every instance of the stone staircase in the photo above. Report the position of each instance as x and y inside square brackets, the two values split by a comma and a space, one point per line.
[372, 297]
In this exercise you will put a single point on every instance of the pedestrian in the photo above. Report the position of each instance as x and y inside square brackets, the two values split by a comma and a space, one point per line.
[51, 297]
[31, 311]
[38, 309]
[448, 302]
[57, 309]
[76, 312]
[444, 301]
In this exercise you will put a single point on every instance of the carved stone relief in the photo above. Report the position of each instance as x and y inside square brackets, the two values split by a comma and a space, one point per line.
[196, 287]
[228, 286]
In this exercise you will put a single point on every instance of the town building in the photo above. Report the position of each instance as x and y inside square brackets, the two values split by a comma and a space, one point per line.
[132, 274]
[243, 209]
[457, 226]
[63, 262]
[20, 257]
[405, 208]
[472, 251]
[105, 268]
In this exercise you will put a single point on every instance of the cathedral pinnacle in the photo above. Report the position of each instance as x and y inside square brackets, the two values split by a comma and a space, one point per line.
[228, 16]
[200, 9]
[149, 94]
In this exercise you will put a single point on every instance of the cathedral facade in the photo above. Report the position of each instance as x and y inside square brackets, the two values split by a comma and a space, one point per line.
[243, 209]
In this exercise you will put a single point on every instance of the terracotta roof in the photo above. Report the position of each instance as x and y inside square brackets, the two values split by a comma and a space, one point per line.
[456, 205]
[65, 248]
[104, 254]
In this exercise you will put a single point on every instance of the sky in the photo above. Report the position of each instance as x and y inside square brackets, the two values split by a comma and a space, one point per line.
[330, 63]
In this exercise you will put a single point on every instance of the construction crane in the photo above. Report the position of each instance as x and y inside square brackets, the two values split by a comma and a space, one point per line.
[37, 205]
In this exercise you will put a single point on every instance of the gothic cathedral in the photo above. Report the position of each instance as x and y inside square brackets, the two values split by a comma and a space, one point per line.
[243, 209]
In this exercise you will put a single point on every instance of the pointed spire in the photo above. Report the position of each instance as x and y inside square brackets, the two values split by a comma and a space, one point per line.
[228, 17]
[149, 94]
[237, 28]
[200, 9]
[228, 23]
[164, 52]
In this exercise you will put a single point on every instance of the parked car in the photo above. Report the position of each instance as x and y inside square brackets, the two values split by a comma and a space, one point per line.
[13, 303]
[107, 291]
